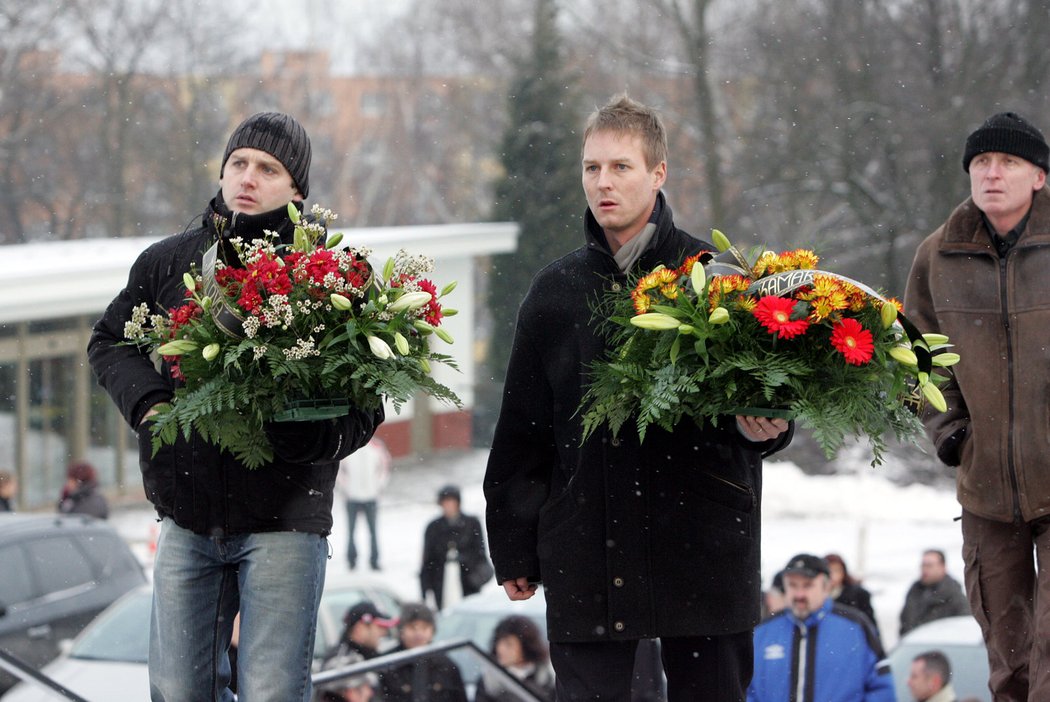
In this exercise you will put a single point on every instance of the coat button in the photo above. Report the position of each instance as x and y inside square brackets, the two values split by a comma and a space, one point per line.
[618, 626]
[616, 287]
[615, 441]
[618, 582]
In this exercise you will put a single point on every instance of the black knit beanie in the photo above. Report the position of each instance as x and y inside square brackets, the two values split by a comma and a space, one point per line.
[1008, 133]
[280, 136]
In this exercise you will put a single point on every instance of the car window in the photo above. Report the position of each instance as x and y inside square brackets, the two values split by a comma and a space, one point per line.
[16, 586]
[59, 564]
[108, 553]
[120, 634]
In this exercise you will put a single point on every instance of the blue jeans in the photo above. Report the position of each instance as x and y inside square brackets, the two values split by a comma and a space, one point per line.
[200, 583]
[352, 510]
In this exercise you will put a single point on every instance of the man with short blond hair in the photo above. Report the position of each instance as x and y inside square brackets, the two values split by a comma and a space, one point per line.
[630, 541]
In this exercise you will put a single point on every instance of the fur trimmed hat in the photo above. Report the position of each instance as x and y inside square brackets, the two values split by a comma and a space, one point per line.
[279, 135]
[1008, 133]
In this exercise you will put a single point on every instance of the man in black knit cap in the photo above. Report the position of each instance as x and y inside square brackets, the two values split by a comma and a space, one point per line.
[981, 278]
[231, 539]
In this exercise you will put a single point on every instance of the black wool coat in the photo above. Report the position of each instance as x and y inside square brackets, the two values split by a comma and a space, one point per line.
[629, 540]
[203, 489]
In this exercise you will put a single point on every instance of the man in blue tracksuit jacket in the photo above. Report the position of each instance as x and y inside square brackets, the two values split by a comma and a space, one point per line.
[817, 650]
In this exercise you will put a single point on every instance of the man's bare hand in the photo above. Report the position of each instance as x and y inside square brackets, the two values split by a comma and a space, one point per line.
[761, 428]
[519, 588]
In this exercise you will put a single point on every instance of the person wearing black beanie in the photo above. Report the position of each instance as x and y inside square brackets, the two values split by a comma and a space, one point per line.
[980, 279]
[233, 540]
[282, 137]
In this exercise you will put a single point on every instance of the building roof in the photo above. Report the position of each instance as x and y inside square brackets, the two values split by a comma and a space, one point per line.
[70, 278]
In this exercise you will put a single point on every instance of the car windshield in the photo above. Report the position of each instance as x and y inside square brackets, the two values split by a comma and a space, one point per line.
[121, 634]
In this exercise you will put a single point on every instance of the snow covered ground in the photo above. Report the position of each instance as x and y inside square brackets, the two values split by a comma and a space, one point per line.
[878, 527]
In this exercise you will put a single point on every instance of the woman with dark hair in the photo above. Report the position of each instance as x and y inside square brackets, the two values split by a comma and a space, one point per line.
[847, 590]
[80, 494]
[518, 645]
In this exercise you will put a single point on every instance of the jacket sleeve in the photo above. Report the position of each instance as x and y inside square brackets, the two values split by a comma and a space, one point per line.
[946, 430]
[323, 440]
[521, 463]
[126, 371]
[879, 685]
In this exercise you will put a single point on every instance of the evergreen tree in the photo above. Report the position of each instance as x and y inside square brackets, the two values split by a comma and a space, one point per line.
[541, 187]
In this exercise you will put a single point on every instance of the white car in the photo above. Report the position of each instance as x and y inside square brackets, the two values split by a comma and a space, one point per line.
[107, 661]
[958, 638]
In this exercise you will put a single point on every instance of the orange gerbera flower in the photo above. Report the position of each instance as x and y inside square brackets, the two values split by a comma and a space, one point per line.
[853, 341]
[774, 313]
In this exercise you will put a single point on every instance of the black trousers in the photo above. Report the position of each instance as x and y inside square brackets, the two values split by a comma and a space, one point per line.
[698, 669]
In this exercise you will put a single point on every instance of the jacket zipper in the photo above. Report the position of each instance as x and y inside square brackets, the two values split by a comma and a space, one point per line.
[803, 649]
[1003, 288]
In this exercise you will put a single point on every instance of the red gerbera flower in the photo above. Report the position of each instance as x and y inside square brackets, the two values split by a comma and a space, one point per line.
[853, 341]
[774, 313]
[432, 310]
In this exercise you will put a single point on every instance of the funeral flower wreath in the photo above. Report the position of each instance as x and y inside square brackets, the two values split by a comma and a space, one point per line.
[720, 336]
[274, 332]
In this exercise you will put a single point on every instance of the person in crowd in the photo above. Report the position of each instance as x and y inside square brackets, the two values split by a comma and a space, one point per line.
[8, 490]
[518, 646]
[80, 494]
[846, 589]
[362, 476]
[364, 628]
[979, 279]
[231, 538]
[631, 541]
[773, 600]
[935, 595]
[817, 650]
[434, 678]
[453, 538]
[357, 688]
[930, 678]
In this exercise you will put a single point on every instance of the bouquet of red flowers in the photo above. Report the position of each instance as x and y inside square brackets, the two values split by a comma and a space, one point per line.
[272, 332]
[720, 336]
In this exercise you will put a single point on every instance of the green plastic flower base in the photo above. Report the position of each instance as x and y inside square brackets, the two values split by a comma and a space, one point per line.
[770, 412]
[305, 410]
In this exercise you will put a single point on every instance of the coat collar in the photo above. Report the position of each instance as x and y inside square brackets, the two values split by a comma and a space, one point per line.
[596, 240]
[965, 226]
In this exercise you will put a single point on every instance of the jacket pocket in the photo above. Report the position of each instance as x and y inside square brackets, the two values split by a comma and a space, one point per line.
[718, 502]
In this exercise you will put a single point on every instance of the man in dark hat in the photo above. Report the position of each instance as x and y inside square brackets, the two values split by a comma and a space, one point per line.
[818, 650]
[231, 539]
[453, 538]
[432, 678]
[981, 279]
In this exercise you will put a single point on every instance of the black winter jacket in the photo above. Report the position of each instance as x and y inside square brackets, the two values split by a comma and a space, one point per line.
[202, 488]
[629, 540]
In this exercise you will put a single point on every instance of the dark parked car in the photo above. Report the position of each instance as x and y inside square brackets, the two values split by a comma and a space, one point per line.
[58, 573]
